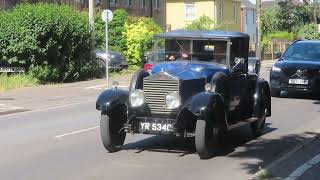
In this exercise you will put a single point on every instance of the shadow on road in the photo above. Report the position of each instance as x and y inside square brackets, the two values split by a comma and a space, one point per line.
[268, 150]
[183, 147]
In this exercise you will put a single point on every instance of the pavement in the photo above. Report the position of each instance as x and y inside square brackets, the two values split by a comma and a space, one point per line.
[58, 137]
[48, 96]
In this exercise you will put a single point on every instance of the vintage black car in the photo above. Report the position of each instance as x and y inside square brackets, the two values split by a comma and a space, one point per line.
[201, 88]
[297, 69]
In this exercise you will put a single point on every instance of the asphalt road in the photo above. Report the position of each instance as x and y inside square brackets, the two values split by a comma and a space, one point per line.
[64, 143]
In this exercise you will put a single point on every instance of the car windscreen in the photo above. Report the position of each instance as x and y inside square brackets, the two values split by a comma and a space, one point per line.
[303, 51]
[198, 50]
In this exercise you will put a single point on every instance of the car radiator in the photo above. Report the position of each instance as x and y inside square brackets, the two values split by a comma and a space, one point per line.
[155, 91]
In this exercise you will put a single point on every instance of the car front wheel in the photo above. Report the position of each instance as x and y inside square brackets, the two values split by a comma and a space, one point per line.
[111, 134]
[206, 139]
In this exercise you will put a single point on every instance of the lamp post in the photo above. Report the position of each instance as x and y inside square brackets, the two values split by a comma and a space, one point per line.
[258, 43]
[91, 26]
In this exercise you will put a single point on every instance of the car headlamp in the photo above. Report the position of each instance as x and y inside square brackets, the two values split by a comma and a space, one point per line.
[173, 100]
[276, 69]
[137, 98]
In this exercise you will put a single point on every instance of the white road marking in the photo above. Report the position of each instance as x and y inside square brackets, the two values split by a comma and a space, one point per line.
[94, 87]
[48, 108]
[303, 168]
[8, 107]
[76, 132]
[99, 87]
[263, 64]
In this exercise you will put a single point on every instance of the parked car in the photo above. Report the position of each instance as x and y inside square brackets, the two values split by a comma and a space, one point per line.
[202, 96]
[117, 61]
[297, 69]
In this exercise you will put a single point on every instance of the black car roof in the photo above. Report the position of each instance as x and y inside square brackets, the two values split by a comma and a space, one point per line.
[210, 34]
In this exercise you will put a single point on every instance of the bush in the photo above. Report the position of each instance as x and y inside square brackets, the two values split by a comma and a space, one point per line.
[309, 31]
[139, 33]
[279, 34]
[51, 41]
[203, 23]
[116, 28]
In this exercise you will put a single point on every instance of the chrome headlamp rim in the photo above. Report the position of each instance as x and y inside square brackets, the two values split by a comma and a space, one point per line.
[142, 97]
[175, 96]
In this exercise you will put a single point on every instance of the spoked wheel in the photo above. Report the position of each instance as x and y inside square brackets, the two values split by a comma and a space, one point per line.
[257, 127]
[111, 135]
[206, 139]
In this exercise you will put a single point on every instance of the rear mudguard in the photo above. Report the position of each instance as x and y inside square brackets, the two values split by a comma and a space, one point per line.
[262, 98]
[111, 98]
[205, 103]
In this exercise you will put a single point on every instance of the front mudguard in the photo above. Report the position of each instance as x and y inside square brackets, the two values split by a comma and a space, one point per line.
[204, 104]
[262, 98]
[110, 99]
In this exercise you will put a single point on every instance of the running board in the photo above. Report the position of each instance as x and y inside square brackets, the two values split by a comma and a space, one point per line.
[242, 123]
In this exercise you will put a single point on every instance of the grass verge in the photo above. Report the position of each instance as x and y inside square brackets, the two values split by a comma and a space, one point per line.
[130, 70]
[8, 82]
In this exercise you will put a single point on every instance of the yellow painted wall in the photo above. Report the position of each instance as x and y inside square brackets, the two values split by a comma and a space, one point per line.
[229, 23]
[175, 13]
[175, 16]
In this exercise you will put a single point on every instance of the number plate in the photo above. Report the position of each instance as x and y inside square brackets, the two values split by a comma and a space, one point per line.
[298, 81]
[155, 127]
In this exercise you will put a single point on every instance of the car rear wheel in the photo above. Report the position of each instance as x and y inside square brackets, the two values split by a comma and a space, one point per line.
[257, 127]
[275, 92]
[111, 134]
[206, 139]
[101, 64]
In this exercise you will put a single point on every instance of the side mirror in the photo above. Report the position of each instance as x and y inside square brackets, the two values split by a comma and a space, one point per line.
[277, 55]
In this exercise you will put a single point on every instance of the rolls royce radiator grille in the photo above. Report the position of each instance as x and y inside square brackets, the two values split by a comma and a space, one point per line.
[155, 91]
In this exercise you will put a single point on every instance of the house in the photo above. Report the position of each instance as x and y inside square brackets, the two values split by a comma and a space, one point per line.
[147, 8]
[249, 19]
[225, 13]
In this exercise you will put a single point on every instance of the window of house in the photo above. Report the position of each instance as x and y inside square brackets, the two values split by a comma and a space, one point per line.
[234, 12]
[113, 2]
[253, 17]
[156, 4]
[247, 22]
[220, 11]
[143, 3]
[190, 10]
[128, 3]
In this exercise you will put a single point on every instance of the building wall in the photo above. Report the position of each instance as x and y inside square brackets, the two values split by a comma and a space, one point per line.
[156, 10]
[221, 11]
[176, 12]
[249, 23]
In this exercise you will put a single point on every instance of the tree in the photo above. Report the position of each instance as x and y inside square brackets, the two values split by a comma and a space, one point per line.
[202, 23]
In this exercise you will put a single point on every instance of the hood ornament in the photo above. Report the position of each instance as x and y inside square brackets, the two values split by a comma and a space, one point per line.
[299, 73]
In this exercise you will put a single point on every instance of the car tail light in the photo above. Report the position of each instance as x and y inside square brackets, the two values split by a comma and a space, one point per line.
[147, 66]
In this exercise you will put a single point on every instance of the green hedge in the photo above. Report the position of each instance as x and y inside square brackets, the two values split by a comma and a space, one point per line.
[51, 41]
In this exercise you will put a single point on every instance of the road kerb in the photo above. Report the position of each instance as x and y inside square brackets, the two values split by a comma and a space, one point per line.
[302, 144]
